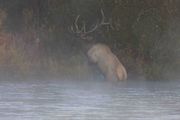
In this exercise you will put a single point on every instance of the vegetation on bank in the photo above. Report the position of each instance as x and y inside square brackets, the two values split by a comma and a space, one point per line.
[35, 39]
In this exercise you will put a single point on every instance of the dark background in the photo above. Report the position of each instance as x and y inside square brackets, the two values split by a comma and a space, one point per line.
[35, 39]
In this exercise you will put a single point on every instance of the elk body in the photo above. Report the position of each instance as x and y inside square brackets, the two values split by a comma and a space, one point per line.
[100, 54]
[107, 62]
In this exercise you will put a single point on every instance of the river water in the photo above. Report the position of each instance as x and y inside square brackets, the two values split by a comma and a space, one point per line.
[89, 100]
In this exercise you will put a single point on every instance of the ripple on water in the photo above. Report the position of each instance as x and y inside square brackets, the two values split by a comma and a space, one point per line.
[54, 100]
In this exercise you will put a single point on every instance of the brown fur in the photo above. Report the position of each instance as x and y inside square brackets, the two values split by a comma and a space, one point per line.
[108, 63]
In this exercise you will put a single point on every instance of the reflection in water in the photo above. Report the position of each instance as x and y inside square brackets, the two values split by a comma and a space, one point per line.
[74, 100]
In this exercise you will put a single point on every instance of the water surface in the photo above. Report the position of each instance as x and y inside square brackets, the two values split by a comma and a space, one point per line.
[89, 100]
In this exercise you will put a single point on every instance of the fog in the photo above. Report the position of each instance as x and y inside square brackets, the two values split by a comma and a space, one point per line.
[41, 38]
[95, 99]
[47, 73]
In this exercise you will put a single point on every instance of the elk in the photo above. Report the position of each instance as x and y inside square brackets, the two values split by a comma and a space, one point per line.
[100, 54]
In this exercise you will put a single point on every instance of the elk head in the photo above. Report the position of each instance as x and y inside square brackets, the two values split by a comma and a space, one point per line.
[83, 32]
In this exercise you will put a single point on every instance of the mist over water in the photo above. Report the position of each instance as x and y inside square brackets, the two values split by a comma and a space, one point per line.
[89, 99]
[42, 59]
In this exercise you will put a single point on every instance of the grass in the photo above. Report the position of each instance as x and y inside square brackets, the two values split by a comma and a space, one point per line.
[15, 61]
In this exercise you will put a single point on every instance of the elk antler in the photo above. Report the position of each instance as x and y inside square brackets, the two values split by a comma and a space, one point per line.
[76, 26]
[83, 29]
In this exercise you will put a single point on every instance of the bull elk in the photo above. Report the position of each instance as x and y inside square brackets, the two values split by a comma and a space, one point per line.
[100, 54]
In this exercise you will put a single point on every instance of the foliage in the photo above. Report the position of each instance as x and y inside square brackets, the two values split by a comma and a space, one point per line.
[144, 35]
